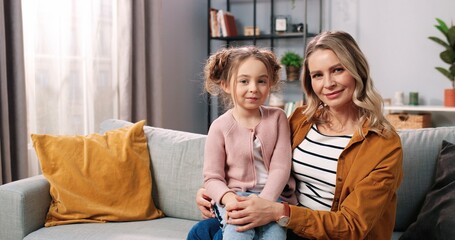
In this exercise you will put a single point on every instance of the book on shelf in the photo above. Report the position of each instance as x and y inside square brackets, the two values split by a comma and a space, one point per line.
[229, 21]
[214, 24]
[223, 28]
[222, 23]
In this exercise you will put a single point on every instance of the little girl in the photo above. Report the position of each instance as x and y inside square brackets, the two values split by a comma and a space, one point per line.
[248, 149]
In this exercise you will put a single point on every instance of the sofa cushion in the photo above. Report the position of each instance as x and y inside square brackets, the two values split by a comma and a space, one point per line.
[159, 229]
[97, 178]
[420, 152]
[177, 159]
[435, 220]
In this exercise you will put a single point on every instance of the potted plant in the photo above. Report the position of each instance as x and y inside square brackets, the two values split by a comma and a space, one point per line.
[293, 63]
[447, 56]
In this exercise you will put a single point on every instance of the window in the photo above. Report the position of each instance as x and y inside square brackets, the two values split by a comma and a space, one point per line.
[71, 70]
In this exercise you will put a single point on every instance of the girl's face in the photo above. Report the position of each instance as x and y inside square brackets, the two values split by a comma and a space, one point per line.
[331, 82]
[251, 86]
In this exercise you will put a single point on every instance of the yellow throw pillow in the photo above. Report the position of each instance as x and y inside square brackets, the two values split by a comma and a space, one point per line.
[98, 178]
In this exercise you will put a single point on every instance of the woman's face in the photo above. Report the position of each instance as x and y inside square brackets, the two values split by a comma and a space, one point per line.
[331, 82]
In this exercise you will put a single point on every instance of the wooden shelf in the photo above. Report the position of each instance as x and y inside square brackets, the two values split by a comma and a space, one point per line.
[422, 108]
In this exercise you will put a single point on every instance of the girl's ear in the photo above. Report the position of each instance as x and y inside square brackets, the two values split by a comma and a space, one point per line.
[225, 86]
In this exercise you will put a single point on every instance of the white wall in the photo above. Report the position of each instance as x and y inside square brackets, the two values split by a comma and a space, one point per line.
[394, 36]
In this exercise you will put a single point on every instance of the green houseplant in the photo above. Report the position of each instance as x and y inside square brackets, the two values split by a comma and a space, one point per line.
[293, 64]
[447, 56]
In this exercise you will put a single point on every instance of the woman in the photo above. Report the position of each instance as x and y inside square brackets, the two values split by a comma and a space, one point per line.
[347, 159]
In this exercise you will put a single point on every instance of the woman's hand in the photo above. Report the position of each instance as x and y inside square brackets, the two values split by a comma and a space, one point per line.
[253, 211]
[204, 204]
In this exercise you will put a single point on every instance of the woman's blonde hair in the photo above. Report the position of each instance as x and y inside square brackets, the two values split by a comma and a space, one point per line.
[367, 100]
[223, 65]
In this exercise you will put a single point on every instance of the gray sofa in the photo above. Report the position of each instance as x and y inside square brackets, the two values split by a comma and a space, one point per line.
[177, 174]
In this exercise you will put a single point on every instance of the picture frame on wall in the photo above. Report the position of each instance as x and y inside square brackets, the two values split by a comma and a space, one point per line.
[281, 24]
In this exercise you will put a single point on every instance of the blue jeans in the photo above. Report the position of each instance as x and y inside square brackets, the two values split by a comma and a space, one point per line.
[271, 230]
[208, 229]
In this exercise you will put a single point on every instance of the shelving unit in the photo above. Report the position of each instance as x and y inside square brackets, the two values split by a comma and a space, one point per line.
[440, 115]
[408, 108]
[269, 35]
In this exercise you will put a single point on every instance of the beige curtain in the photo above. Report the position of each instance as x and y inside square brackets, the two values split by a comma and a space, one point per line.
[66, 96]
[111, 78]
[145, 60]
[13, 121]
[78, 66]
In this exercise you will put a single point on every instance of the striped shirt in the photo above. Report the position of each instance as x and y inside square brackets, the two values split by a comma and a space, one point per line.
[314, 165]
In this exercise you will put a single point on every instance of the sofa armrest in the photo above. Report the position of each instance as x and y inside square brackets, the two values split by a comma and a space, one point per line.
[23, 207]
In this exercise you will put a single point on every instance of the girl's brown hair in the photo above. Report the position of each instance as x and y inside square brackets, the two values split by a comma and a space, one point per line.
[222, 66]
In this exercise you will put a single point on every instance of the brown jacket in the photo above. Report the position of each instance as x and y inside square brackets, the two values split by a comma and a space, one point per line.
[368, 175]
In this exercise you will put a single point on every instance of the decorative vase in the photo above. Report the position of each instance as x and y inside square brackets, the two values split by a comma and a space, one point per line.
[292, 73]
[449, 97]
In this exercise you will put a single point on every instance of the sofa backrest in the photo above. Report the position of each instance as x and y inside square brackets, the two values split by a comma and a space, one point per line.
[420, 151]
[176, 162]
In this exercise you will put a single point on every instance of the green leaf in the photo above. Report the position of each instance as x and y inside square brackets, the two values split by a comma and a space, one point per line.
[452, 71]
[448, 56]
[451, 36]
[442, 30]
[442, 26]
[438, 40]
[445, 72]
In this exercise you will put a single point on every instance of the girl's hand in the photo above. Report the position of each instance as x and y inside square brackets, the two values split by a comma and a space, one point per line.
[253, 211]
[204, 204]
[228, 200]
